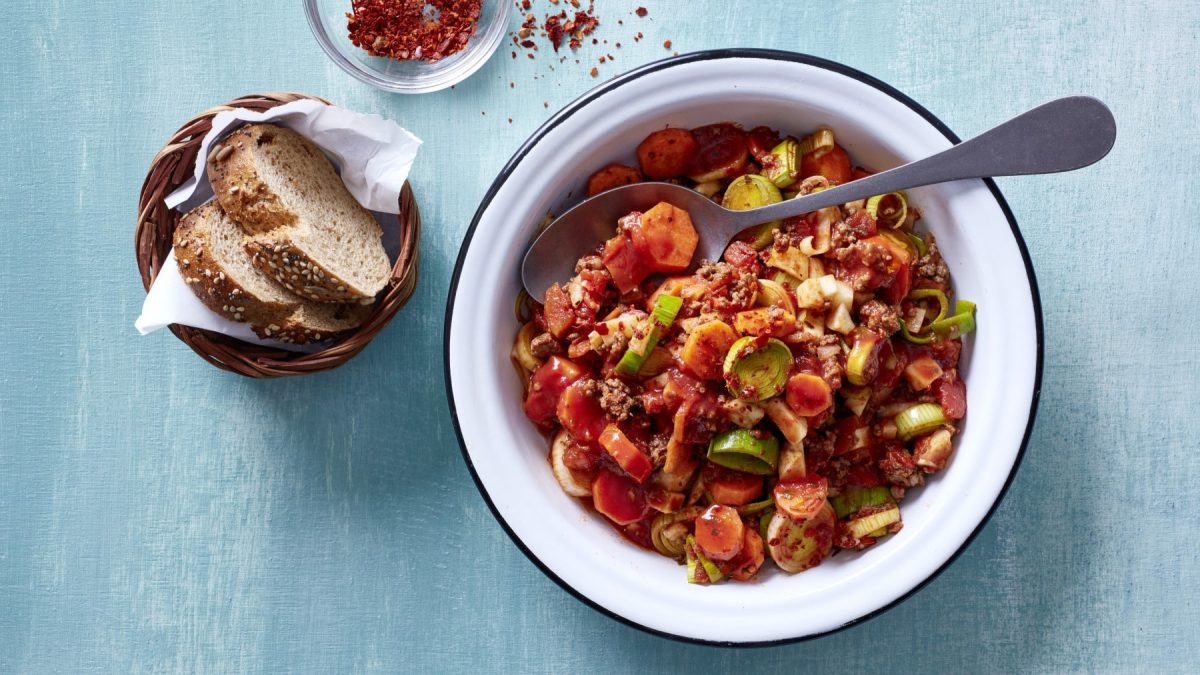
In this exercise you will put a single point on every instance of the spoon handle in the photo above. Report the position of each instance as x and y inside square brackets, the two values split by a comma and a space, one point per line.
[1062, 135]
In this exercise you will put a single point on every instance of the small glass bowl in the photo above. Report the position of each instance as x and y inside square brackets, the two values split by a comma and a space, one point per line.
[327, 18]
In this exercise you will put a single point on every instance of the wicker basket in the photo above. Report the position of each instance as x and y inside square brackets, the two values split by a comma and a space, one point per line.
[156, 225]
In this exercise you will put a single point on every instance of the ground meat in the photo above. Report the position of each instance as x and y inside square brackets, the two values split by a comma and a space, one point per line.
[589, 262]
[880, 317]
[544, 345]
[833, 365]
[931, 266]
[859, 225]
[615, 397]
[900, 469]
[658, 451]
[867, 258]
[730, 289]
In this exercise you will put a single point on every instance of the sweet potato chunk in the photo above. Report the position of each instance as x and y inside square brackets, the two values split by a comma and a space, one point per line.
[611, 176]
[667, 237]
[667, 153]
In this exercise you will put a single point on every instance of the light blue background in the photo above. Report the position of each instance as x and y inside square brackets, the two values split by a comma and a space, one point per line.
[159, 515]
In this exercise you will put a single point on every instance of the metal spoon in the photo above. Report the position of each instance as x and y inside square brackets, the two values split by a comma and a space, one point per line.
[1062, 135]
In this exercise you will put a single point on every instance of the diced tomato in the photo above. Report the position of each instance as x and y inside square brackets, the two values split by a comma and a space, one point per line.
[682, 387]
[627, 267]
[665, 237]
[862, 224]
[946, 352]
[833, 164]
[951, 394]
[667, 153]
[891, 364]
[801, 500]
[732, 488]
[895, 292]
[611, 176]
[581, 457]
[921, 372]
[864, 475]
[720, 532]
[618, 497]
[743, 256]
[852, 433]
[721, 152]
[808, 394]
[760, 141]
[579, 413]
[559, 314]
[547, 385]
[627, 455]
[750, 560]
[664, 501]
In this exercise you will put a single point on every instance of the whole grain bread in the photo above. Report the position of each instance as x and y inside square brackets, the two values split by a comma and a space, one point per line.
[212, 259]
[305, 228]
[314, 321]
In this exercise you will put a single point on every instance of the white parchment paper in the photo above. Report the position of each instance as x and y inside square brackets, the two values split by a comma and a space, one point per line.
[373, 156]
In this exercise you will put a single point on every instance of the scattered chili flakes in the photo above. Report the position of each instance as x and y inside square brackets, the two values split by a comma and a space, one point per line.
[595, 71]
[666, 44]
[641, 11]
[412, 30]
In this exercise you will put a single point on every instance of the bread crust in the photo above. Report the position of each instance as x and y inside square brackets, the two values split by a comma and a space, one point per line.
[249, 200]
[295, 329]
[239, 188]
[299, 274]
[208, 279]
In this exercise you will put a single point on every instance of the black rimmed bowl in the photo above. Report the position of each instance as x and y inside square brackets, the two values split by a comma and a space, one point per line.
[881, 128]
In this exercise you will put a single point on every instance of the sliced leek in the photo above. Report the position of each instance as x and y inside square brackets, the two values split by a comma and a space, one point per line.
[756, 368]
[868, 525]
[919, 420]
[961, 323]
[820, 141]
[853, 500]
[783, 167]
[886, 215]
[697, 562]
[918, 243]
[669, 531]
[756, 507]
[937, 294]
[755, 452]
[666, 307]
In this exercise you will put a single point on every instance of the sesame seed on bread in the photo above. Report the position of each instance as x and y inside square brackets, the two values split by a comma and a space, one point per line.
[212, 259]
[304, 228]
[210, 254]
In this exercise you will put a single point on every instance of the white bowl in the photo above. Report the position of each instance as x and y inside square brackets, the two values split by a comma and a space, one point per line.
[880, 128]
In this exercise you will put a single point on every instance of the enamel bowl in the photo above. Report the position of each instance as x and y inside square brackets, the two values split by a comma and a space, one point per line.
[880, 128]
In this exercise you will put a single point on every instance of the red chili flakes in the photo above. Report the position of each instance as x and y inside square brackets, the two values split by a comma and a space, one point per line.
[602, 59]
[412, 30]
[559, 27]
[666, 44]
[641, 11]
[595, 71]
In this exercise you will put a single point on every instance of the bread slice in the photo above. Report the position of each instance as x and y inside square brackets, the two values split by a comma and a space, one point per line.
[306, 230]
[212, 259]
[314, 321]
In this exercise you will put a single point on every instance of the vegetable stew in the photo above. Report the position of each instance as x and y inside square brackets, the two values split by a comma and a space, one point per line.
[777, 403]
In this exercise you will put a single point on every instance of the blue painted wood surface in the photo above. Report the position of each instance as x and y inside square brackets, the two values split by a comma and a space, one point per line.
[159, 515]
